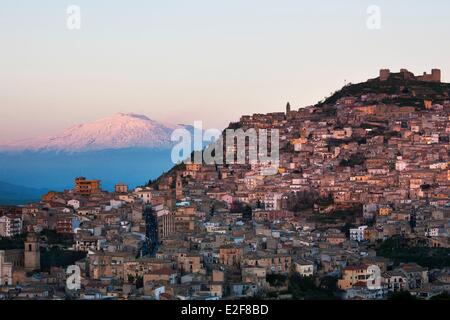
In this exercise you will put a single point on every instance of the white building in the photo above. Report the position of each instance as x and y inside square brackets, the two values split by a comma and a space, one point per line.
[74, 204]
[432, 232]
[401, 165]
[10, 226]
[357, 234]
[251, 182]
[304, 268]
[272, 201]
[126, 198]
[145, 195]
[87, 243]
[114, 204]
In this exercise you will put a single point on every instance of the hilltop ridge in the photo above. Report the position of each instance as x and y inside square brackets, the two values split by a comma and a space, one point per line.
[397, 85]
[365, 144]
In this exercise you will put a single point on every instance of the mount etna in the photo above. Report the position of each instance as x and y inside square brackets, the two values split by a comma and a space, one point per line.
[125, 147]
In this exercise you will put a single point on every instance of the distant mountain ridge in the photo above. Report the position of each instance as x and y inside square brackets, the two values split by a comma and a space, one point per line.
[11, 194]
[125, 147]
[119, 131]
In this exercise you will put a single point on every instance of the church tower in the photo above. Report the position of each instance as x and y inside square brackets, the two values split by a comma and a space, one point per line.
[288, 108]
[178, 188]
[32, 254]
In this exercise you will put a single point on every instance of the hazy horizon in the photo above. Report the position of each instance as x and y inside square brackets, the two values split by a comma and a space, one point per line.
[179, 62]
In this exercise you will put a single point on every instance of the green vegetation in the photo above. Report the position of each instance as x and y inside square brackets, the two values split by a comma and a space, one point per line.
[305, 288]
[235, 125]
[139, 282]
[244, 208]
[356, 159]
[344, 216]
[390, 134]
[405, 102]
[276, 280]
[443, 296]
[399, 249]
[346, 228]
[331, 142]
[56, 257]
[54, 238]
[392, 86]
[51, 236]
[12, 243]
[136, 280]
[303, 200]
[329, 111]
[401, 295]
[172, 172]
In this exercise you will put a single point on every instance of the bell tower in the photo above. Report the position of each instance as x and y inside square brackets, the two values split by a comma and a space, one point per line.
[32, 254]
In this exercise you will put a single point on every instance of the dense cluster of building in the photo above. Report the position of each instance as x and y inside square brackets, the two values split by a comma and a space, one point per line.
[378, 162]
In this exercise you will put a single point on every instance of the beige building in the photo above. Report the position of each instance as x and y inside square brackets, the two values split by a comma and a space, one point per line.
[86, 187]
[106, 264]
[278, 263]
[304, 268]
[164, 275]
[189, 263]
[230, 256]
[166, 225]
[352, 275]
[6, 271]
[121, 188]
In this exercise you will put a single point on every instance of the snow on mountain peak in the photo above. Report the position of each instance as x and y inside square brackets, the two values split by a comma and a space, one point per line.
[119, 131]
[131, 115]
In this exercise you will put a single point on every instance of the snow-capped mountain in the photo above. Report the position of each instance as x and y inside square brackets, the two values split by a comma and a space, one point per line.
[119, 131]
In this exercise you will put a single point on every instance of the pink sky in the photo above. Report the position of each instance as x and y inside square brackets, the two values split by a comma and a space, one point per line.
[206, 60]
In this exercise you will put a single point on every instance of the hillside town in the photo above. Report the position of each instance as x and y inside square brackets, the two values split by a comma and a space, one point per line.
[359, 209]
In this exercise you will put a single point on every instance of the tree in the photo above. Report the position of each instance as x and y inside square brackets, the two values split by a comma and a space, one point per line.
[355, 159]
[239, 207]
[443, 296]
[276, 280]
[139, 282]
[15, 242]
[305, 288]
[329, 283]
[298, 201]
[56, 257]
[247, 212]
[400, 249]
[346, 228]
[401, 295]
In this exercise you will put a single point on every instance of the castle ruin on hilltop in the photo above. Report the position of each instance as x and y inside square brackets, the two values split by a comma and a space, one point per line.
[435, 75]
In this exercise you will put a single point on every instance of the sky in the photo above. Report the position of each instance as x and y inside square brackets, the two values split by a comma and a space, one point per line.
[181, 61]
